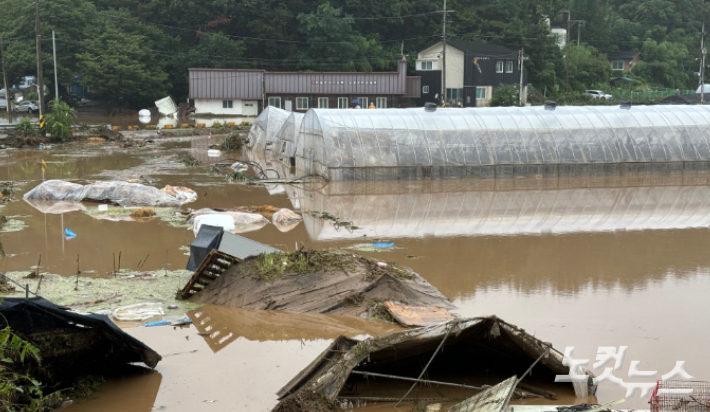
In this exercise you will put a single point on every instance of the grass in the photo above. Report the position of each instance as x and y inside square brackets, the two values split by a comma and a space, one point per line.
[187, 159]
[143, 212]
[272, 266]
[237, 177]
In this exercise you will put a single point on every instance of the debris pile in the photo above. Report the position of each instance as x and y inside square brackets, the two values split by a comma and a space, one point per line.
[320, 281]
[461, 356]
[121, 193]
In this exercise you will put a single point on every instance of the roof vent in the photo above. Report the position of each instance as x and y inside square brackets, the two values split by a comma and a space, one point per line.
[430, 107]
[625, 104]
[550, 105]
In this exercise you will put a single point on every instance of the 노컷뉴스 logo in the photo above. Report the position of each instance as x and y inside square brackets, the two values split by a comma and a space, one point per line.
[605, 354]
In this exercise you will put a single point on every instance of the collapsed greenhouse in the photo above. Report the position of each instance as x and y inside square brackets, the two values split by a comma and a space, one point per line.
[394, 144]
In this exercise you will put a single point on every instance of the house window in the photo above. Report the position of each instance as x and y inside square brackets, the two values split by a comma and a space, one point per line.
[322, 102]
[301, 103]
[425, 89]
[499, 66]
[381, 103]
[480, 93]
[227, 104]
[617, 65]
[454, 94]
[342, 102]
[426, 65]
[363, 102]
[509, 67]
[275, 101]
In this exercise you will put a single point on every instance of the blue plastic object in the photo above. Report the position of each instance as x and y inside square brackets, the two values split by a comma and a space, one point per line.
[158, 323]
[69, 233]
[383, 244]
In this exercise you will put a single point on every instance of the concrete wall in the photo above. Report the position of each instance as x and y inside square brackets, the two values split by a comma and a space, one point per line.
[214, 106]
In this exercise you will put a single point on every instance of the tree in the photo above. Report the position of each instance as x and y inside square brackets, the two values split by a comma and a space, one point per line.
[588, 68]
[59, 121]
[506, 95]
[121, 69]
[341, 49]
[666, 64]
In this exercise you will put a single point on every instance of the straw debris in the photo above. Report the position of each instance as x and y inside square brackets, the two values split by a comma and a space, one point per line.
[143, 212]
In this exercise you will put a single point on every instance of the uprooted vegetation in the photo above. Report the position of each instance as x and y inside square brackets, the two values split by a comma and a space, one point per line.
[320, 281]
[187, 159]
[235, 141]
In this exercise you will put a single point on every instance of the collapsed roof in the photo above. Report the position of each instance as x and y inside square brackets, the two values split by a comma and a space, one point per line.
[319, 281]
[482, 349]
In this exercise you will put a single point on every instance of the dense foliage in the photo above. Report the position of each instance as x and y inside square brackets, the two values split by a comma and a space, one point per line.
[133, 52]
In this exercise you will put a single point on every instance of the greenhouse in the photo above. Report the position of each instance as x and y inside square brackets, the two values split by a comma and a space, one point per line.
[382, 144]
[286, 138]
[266, 126]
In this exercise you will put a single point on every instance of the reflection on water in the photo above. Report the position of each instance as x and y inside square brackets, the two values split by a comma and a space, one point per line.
[468, 208]
[221, 325]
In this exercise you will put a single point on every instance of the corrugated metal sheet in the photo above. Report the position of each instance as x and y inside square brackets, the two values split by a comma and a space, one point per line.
[413, 87]
[225, 84]
[241, 247]
[334, 83]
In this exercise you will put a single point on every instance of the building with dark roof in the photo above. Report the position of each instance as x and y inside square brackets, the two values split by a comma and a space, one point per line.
[246, 92]
[473, 70]
[624, 60]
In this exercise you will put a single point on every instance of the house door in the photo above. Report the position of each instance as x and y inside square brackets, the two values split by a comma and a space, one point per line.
[249, 109]
[287, 105]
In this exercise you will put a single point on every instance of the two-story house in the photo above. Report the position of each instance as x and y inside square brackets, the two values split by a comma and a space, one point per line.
[473, 70]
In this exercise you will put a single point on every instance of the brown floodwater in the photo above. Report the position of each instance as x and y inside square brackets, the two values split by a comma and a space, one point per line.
[583, 262]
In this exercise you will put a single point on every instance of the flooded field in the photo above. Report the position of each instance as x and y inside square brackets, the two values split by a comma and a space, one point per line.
[584, 262]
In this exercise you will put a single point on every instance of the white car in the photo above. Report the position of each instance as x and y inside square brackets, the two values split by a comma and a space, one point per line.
[29, 106]
[597, 94]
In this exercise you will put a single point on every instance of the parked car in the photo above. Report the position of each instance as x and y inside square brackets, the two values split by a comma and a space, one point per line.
[29, 106]
[597, 94]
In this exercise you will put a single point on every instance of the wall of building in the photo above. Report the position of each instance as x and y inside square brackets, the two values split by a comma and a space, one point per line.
[432, 80]
[392, 101]
[454, 63]
[214, 106]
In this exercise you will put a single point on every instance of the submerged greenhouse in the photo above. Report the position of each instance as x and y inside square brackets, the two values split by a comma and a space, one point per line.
[382, 144]
[267, 126]
[287, 137]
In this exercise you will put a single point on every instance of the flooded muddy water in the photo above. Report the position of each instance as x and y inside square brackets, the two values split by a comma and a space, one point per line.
[584, 262]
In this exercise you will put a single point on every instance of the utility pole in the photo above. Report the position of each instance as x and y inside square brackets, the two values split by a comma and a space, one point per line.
[580, 23]
[702, 66]
[521, 57]
[54, 52]
[40, 77]
[569, 26]
[4, 78]
[443, 36]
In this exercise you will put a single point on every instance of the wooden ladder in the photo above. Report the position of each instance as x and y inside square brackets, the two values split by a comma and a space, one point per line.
[210, 269]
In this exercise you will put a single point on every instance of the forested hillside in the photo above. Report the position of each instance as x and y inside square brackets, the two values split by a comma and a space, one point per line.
[133, 51]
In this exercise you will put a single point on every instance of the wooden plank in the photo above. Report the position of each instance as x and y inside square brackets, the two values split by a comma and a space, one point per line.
[416, 316]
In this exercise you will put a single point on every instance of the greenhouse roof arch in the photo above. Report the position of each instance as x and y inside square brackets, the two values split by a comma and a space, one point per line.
[266, 126]
[411, 138]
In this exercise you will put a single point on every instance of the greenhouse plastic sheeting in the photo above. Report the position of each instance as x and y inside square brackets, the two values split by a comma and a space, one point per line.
[287, 138]
[267, 126]
[121, 193]
[503, 136]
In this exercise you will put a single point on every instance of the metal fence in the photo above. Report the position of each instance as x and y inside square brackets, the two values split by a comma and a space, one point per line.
[649, 94]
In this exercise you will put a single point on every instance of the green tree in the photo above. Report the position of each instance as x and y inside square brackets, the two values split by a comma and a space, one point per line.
[341, 49]
[121, 69]
[588, 68]
[506, 95]
[60, 120]
[664, 64]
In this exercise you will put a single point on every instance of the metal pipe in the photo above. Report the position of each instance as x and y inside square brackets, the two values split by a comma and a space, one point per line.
[404, 378]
